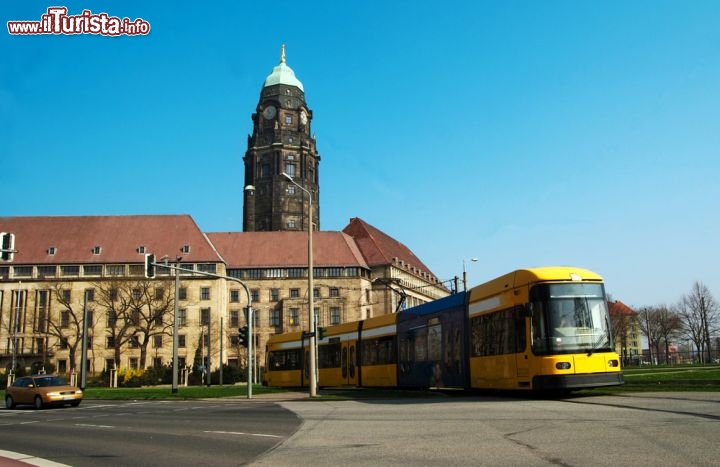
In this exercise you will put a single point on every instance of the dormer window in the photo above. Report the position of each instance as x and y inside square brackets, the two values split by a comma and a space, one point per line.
[185, 249]
[51, 251]
[141, 249]
[97, 250]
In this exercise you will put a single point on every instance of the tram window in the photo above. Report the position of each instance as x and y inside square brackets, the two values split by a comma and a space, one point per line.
[497, 333]
[378, 351]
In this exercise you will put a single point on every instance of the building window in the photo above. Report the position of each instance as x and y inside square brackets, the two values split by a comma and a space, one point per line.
[291, 190]
[206, 340]
[111, 318]
[181, 340]
[97, 250]
[182, 317]
[113, 294]
[265, 170]
[234, 318]
[275, 318]
[92, 270]
[182, 293]
[51, 251]
[159, 293]
[157, 342]
[62, 366]
[110, 342]
[207, 267]
[135, 317]
[294, 293]
[133, 363]
[291, 224]
[157, 362]
[294, 316]
[136, 294]
[64, 344]
[70, 270]
[255, 294]
[47, 271]
[90, 295]
[205, 316]
[64, 319]
[134, 342]
[316, 293]
[115, 269]
[205, 293]
[234, 296]
[334, 292]
[274, 295]
[296, 272]
[334, 315]
[288, 119]
[185, 249]
[290, 170]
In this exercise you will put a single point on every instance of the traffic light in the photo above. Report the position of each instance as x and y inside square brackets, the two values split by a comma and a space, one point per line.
[243, 336]
[7, 245]
[150, 266]
[321, 333]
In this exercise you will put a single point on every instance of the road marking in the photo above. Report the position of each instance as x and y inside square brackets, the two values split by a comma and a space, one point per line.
[243, 434]
[93, 426]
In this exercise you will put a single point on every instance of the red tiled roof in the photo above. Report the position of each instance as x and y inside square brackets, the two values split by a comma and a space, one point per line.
[619, 308]
[378, 248]
[283, 249]
[75, 237]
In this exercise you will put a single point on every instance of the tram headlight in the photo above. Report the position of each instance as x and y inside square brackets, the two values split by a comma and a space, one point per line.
[562, 365]
[613, 363]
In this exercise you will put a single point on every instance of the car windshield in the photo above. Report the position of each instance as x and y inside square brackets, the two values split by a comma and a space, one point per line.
[48, 381]
[570, 318]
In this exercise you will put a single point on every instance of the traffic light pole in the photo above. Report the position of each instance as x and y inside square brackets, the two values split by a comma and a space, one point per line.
[150, 266]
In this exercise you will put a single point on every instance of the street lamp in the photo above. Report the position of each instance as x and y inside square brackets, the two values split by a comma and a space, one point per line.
[311, 291]
[474, 260]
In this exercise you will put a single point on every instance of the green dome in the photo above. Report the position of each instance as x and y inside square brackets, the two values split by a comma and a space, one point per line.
[283, 74]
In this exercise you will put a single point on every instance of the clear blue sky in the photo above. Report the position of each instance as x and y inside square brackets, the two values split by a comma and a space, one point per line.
[522, 133]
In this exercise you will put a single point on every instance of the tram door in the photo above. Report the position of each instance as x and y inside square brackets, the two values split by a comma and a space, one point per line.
[348, 362]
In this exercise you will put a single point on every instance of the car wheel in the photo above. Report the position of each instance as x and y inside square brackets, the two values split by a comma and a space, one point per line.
[75, 403]
[9, 402]
[38, 402]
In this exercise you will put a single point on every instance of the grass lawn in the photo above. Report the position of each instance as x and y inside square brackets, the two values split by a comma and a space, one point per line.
[660, 378]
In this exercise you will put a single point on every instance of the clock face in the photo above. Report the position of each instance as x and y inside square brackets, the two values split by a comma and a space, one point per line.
[269, 112]
[303, 117]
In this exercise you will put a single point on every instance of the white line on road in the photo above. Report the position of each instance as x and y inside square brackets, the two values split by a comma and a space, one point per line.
[241, 433]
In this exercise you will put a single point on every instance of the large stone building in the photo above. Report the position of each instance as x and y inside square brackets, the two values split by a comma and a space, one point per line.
[67, 266]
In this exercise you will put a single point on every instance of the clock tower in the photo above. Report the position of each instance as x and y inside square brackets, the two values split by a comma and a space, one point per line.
[281, 144]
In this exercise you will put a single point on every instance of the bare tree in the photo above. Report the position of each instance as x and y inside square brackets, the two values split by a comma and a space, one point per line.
[669, 326]
[621, 323]
[67, 325]
[114, 297]
[650, 328]
[137, 311]
[699, 312]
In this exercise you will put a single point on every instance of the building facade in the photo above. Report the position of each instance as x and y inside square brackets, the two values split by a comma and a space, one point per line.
[87, 272]
[281, 143]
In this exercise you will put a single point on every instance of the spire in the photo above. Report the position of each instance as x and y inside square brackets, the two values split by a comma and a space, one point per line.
[282, 54]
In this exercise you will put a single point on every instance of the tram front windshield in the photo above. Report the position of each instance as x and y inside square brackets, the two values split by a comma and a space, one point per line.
[569, 318]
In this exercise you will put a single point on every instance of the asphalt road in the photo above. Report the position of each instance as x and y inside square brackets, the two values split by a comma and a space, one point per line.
[659, 429]
[654, 429]
[177, 433]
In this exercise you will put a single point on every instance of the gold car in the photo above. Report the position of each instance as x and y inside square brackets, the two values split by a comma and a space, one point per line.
[40, 391]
